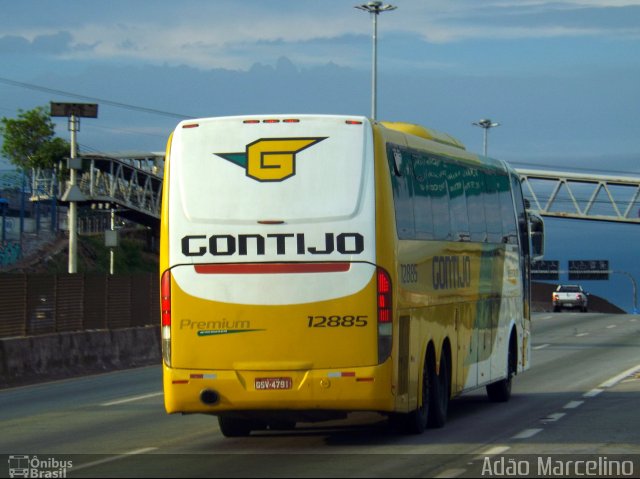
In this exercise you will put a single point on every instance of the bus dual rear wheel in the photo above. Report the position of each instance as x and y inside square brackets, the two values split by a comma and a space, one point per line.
[435, 401]
[440, 399]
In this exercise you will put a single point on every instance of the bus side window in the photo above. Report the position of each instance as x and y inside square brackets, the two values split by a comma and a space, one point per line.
[437, 178]
[474, 193]
[422, 208]
[509, 225]
[521, 212]
[492, 208]
[457, 203]
[401, 181]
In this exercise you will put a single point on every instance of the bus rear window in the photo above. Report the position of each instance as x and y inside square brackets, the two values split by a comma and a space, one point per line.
[268, 173]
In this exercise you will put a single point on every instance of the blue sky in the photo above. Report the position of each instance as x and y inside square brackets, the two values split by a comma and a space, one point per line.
[562, 77]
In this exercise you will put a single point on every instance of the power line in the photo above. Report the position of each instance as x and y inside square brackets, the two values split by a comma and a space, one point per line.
[154, 111]
[102, 101]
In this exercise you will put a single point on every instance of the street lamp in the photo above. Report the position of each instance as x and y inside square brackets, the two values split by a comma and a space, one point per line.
[374, 8]
[485, 124]
[74, 111]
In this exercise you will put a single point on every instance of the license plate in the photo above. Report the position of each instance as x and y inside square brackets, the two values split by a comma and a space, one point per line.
[273, 383]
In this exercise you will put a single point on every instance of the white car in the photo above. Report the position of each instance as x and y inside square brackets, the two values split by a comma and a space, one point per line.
[570, 296]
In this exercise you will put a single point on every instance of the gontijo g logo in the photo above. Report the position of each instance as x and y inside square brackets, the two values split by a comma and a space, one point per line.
[271, 159]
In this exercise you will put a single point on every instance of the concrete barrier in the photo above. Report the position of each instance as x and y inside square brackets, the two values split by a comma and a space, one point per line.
[25, 360]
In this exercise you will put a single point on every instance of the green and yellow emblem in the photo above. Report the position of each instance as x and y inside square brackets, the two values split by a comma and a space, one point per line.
[270, 159]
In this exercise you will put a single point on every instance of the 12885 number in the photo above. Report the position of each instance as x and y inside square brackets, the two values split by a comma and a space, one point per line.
[337, 321]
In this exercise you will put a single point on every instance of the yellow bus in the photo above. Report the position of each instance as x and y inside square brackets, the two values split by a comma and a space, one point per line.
[316, 265]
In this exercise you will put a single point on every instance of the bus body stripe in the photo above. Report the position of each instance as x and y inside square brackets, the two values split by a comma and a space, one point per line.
[272, 268]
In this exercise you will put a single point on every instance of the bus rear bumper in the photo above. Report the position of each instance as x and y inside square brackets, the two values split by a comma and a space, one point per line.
[352, 389]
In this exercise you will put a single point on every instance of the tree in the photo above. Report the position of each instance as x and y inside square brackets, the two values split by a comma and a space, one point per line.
[29, 141]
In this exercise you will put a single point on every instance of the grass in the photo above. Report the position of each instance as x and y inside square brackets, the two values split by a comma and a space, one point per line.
[131, 256]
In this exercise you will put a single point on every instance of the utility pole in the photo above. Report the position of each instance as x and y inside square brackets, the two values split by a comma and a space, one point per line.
[73, 194]
[111, 240]
[375, 8]
[486, 124]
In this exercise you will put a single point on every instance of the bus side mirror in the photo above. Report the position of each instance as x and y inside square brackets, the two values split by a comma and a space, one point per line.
[536, 232]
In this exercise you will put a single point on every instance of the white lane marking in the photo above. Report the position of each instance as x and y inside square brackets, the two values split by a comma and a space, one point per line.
[450, 473]
[573, 404]
[611, 326]
[144, 450]
[556, 416]
[527, 433]
[546, 317]
[131, 399]
[612, 381]
[616, 379]
[579, 335]
[593, 393]
[633, 320]
[542, 346]
[492, 451]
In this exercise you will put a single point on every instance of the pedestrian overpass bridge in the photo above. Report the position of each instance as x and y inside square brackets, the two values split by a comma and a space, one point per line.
[131, 182]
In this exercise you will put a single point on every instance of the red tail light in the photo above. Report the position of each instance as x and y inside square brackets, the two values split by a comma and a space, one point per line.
[165, 295]
[385, 312]
[165, 306]
[385, 315]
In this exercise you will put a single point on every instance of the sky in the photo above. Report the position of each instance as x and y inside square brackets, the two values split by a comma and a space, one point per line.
[561, 77]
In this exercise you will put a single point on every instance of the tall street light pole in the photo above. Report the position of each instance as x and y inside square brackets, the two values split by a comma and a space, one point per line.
[74, 111]
[374, 8]
[486, 124]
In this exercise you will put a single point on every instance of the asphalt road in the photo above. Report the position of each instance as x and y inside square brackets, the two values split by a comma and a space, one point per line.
[581, 399]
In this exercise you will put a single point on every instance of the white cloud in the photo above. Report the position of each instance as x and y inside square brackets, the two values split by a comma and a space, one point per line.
[234, 35]
[556, 4]
[446, 35]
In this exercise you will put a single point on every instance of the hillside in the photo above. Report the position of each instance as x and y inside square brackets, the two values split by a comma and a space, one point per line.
[135, 254]
[541, 300]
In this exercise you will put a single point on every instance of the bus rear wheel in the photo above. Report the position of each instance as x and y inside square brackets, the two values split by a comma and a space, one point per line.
[416, 421]
[439, 395]
[501, 391]
[435, 399]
